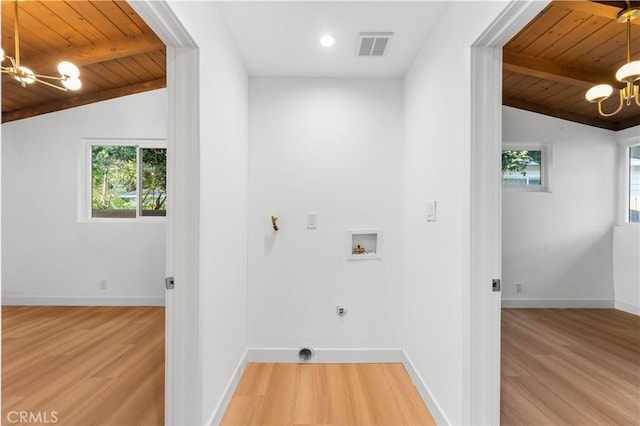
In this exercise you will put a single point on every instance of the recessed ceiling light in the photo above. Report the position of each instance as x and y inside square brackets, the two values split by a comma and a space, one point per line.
[327, 41]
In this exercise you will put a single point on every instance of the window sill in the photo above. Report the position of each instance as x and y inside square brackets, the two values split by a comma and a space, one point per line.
[145, 219]
[516, 188]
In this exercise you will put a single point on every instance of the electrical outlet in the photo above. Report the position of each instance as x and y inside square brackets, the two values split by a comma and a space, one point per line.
[103, 284]
[518, 287]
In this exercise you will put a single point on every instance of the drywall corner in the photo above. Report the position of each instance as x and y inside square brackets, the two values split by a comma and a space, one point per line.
[221, 408]
[426, 395]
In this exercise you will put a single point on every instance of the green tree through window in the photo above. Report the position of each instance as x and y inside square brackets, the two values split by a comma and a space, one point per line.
[115, 180]
[521, 167]
[154, 182]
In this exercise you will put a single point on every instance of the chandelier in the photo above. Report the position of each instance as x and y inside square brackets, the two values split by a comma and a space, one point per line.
[69, 73]
[629, 73]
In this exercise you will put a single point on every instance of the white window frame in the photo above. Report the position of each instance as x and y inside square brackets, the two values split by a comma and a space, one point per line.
[546, 159]
[623, 179]
[84, 179]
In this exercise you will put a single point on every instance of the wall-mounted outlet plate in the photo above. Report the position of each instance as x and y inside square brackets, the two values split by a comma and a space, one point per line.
[312, 220]
[518, 287]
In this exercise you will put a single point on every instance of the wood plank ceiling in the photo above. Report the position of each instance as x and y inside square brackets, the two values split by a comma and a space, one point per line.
[548, 66]
[116, 51]
[568, 48]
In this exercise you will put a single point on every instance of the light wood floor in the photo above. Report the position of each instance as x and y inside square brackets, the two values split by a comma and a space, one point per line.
[89, 365]
[570, 367]
[326, 394]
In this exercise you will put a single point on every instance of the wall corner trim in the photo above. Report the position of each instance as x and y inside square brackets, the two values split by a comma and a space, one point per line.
[627, 307]
[558, 303]
[218, 412]
[426, 395]
[326, 355]
[81, 301]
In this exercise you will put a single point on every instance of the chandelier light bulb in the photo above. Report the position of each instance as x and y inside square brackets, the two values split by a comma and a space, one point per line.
[2, 53]
[73, 83]
[629, 72]
[68, 69]
[25, 75]
[599, 93]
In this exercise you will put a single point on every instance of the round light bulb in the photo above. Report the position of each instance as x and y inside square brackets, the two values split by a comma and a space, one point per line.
[327, 41]
[599, 93]
[25, 75]
[73, 83]
[629, 72]
[2, 53]
[68, 69]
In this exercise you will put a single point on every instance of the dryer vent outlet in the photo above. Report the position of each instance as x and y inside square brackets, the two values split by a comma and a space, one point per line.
[305, 354]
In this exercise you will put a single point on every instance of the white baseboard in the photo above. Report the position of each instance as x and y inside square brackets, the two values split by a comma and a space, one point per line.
[326, 355]
[558, 303]
[627, 307]
[423, 390]
[219, 411]
[80, 301]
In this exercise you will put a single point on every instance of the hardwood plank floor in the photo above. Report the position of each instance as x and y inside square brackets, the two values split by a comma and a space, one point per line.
[570, 367]
[326, 394]
[83, 365]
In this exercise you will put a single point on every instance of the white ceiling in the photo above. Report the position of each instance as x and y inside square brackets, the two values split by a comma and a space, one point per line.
[281, 39]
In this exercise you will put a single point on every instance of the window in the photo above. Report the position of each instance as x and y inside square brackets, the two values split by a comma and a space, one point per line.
[521, 167]
[127, 180]
[634, 183]
[525, 167]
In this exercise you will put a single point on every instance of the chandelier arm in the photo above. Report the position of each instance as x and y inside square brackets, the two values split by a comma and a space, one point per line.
[51, 77]
[16, 36]
[46, 83]
[13, 64]
[628, 92]
[609, 114]
[636, 94]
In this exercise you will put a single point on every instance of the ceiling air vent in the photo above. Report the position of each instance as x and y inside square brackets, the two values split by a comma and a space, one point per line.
[373, 44]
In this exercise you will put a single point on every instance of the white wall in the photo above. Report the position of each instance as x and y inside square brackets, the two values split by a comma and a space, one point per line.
[334, 147]
[48, 256]
[437, 167]
[558, 244]
[223, 204]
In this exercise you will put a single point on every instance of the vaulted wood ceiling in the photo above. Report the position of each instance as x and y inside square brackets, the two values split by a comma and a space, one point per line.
[568, 48]
[116, 51]
[548, 66]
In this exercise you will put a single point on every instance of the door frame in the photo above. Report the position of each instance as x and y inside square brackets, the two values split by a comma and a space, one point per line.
[183, 364]
[482, 315]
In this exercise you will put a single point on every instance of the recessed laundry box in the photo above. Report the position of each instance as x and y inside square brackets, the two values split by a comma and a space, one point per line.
[364, 244]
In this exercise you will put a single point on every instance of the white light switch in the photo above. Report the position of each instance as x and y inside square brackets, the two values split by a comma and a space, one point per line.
[312, 220]
[431, 211]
